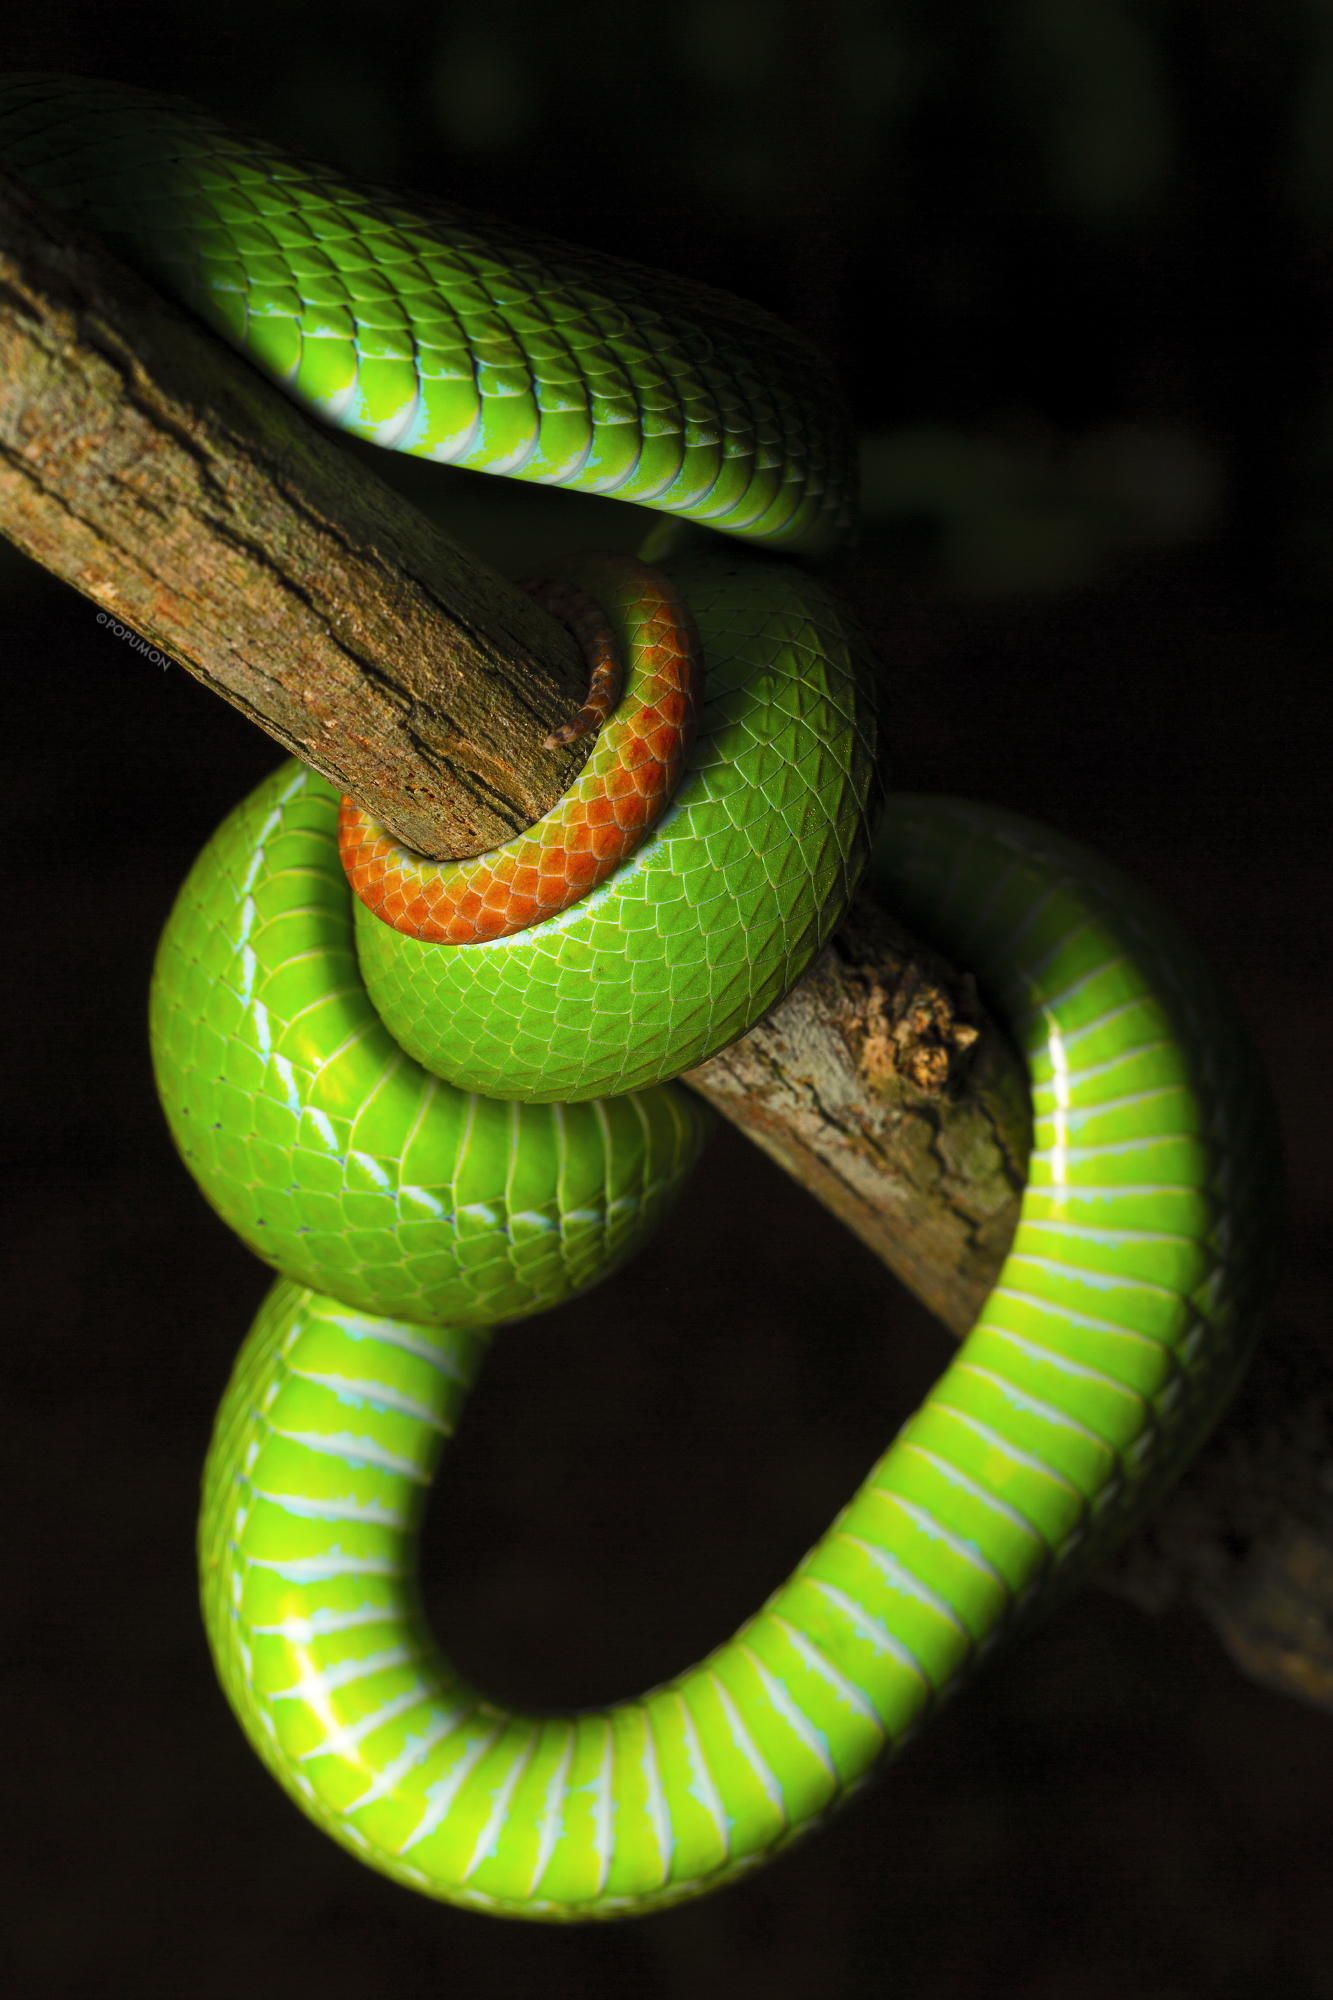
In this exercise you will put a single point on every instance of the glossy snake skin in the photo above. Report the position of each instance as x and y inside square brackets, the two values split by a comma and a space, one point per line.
[318, 1069]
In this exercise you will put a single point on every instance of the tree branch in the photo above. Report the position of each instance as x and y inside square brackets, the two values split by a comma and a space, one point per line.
[185, 495]
[882, 1087]
[156, 473]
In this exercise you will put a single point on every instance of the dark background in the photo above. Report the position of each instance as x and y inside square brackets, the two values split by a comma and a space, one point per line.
[1072, 258]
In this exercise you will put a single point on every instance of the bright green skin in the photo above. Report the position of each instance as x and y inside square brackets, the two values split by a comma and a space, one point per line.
[717, 914]
[1119, 1324]
[430, 331]
[336, 1157]
[406, 1217]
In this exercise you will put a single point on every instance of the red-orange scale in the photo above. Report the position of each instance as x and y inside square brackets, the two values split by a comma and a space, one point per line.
[626, 617]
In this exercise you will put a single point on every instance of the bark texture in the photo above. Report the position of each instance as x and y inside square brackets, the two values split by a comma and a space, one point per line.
[153, 471]
[188, 498]
[881, 1085]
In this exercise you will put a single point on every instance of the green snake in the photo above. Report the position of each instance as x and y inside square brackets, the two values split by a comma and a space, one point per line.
[427, 1138]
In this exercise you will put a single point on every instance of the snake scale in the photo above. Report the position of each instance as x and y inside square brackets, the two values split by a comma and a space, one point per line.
[426, 1137]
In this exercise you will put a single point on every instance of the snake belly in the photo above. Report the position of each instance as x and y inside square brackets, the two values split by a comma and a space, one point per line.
[407, 1212]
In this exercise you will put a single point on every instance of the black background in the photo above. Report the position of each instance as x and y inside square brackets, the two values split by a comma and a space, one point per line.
[1072, 259]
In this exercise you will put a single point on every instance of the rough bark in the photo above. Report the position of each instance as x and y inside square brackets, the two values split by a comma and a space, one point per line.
[189, 499]
[881, 1085]
[150, 469]
[1247, 1537]
[883, 1088]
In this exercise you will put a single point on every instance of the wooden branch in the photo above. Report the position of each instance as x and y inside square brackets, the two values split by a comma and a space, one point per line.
[1247, 1537]
[190, 499]
[881, 1086]
[154, 471]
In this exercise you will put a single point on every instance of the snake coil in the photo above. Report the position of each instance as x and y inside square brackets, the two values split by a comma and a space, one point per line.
[427, 1136]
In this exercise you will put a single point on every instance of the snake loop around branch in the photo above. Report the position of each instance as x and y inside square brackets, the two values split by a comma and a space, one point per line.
[426, 1137]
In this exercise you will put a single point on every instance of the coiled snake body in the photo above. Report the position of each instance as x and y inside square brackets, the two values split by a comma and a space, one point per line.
[348, 1094]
